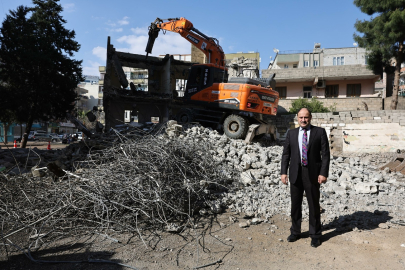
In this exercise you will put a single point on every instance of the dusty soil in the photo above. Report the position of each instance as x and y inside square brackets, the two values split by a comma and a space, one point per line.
[217, 239]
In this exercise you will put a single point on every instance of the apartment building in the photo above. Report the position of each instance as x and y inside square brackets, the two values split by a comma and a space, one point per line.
[402, 81]
[338, 76]
[81, 101]
[90, 98]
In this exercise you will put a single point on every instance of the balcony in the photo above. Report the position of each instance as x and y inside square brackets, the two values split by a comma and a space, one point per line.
[140, 81]
[100, 82]
[101, 69]
[100, 95]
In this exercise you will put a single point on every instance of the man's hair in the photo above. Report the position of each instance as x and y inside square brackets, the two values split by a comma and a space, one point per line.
[310, 114]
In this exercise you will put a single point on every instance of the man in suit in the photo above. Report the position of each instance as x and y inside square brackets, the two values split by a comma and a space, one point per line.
[306, 153]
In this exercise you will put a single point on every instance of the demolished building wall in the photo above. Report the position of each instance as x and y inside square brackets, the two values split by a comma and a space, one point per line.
[243, 67]
[119, 96]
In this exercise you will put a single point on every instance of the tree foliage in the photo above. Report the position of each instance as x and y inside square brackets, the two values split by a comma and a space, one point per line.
[36, 64]
[383, 37]
[314, 105]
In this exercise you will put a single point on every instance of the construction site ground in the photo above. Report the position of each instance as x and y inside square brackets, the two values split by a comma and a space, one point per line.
[217, 242]
[218, 239]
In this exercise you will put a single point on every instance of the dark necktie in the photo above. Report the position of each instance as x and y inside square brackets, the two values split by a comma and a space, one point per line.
[304, 148]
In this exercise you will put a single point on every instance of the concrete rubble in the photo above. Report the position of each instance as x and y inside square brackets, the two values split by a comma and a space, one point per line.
[357, 194]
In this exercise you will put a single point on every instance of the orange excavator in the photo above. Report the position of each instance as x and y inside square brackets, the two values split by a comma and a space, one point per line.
[238, 105]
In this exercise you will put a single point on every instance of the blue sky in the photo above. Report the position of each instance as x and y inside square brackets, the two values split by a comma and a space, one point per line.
[238, 25]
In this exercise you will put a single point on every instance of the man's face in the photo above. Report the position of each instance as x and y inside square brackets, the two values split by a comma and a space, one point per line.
[304, 118]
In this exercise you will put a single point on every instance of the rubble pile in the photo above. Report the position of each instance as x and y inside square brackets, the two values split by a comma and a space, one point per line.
[140, 181]
[140, 186]
[356, 194]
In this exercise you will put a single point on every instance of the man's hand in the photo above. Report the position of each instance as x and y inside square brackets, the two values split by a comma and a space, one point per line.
[284, 179]
[321, 179]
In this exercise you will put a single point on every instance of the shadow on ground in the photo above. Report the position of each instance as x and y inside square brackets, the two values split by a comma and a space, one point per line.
[63, 257]
[360, 220]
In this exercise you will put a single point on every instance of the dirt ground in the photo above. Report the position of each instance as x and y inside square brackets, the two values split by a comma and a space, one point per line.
[220, 242]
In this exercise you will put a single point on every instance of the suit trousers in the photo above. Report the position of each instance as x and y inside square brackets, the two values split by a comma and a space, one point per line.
[311, 188]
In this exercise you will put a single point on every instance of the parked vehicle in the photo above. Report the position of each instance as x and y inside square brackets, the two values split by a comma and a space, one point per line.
[33, 133]
[45, 138]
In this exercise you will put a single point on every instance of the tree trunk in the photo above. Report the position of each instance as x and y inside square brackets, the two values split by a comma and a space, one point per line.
[399, 59]
[5, 128]
[27, 130]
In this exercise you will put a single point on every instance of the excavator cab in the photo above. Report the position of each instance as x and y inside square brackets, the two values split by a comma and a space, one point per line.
[204, 76]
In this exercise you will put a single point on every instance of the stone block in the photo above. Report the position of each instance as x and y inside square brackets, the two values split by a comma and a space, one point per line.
[366, 188]
[340, 191]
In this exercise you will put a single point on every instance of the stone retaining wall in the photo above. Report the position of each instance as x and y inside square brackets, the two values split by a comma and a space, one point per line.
[400, 106]
[355, 131]
[340, 104]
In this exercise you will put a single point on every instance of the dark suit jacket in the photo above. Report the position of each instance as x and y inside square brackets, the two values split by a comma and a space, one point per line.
[318, 154]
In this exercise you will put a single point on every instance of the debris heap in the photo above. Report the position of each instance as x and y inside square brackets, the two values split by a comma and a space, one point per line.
[146, 184]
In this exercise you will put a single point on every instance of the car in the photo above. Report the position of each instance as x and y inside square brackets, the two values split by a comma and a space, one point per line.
[33, 133]
[45, 138]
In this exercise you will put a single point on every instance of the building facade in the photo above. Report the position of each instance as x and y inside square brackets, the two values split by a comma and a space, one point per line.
[333, 75]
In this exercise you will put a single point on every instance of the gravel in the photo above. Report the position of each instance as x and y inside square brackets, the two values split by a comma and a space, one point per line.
[356, 194]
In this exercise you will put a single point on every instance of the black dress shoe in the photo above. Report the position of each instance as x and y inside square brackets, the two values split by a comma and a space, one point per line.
[293, 238]
[315, 242]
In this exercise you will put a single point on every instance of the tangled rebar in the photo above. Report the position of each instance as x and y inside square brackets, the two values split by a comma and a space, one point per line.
[146, 183]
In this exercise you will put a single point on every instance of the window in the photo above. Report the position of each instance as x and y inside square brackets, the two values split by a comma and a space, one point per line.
[316, 63]
[282, 91]
[353, 90]
[332, 91]
[295, 65]
[339, 61]
[307, 91]
[101, 89]
[128, 75]
[306, 63]
[127, 116]
[285, 66]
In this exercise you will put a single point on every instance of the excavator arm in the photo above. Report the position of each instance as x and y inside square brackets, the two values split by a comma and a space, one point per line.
[208, 45]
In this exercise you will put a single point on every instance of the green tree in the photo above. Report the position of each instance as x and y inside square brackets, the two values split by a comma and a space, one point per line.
[35, 52]
[314, 105]
[7, 117]
[383, 37]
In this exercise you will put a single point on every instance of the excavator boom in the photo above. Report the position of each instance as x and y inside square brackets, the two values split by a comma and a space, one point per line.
[208, 45]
